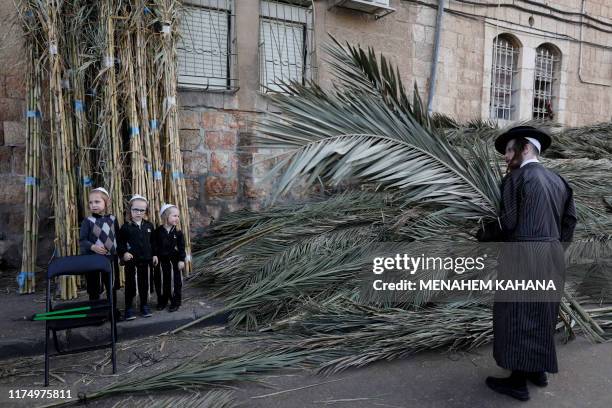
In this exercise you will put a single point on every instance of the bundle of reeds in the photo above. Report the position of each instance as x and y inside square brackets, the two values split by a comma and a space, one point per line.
[64, 192]
[26, 277]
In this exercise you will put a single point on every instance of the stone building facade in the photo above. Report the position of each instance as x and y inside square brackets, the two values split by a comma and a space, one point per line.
[504, 60]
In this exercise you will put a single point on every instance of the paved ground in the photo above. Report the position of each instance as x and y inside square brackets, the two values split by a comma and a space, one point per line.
[440, 380]
[21, 337]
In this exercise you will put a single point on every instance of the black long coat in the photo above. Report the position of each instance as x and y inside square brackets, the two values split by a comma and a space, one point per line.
[538, 207]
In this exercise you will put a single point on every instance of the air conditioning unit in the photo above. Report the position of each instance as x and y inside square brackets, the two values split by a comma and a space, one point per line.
[378, 8]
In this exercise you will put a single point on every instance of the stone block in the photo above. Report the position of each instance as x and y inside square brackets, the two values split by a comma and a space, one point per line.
[193, 190]
[12, 190]
[14, 86]
[195, 163]
[18, 160]
[190, 139]
[11, 109]
[5, 159]
[223, 163]
[198, 220]
[418, 33]
[214, 120]
[14, 133]
[220, 140]
[189, 119]
[221, 186]
[2, 90]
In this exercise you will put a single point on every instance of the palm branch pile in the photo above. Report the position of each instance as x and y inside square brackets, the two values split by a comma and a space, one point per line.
[109, 70]
[290, 274]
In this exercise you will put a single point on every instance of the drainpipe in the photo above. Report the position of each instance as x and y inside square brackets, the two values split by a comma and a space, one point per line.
[582, 13]
[436, 53]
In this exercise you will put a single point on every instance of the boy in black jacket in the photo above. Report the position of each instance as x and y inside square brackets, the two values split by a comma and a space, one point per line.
[134, 249]
[169, 250]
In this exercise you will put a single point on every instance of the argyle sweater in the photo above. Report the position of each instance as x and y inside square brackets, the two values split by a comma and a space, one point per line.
[99, 230]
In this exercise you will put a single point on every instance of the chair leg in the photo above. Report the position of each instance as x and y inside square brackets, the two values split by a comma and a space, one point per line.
[113, 324]
[56, 342]
[46, 355]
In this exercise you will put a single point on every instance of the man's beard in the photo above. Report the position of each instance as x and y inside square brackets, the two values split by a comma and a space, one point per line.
[515, 163]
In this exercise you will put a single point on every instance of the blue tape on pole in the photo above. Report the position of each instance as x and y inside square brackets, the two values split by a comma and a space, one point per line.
[157, 175]
[168, 165]
[149, 167]
[147, 10]
[153, 124]
[92, 92]
[177, 175]
[21, 278]
[135, 131]
[87, 182]
[32, 114]
[31, 181]
[78, 105]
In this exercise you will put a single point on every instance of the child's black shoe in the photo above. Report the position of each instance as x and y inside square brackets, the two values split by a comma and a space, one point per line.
[145, 311]
[173, 308]
[129, 314]
[161, 306]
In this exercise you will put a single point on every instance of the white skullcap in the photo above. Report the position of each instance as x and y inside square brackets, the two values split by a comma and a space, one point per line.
[164, 208]
[535, 142]
[101, 190]
[138, 197]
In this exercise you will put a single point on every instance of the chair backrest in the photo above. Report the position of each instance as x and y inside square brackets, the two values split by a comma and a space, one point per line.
[78, 265]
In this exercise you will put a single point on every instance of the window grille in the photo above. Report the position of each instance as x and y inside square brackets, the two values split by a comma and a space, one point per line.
[503, 78]
[545, 69]
[286, 43]
[206, 50]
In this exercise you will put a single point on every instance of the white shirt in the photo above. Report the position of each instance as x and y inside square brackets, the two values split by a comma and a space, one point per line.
[534, 160]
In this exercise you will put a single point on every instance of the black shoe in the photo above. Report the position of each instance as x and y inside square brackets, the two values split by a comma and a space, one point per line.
[516, 388]
[160, 306]
[173, 308]
[538, 378]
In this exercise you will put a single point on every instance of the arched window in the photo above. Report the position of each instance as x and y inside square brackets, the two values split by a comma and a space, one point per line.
[504, 77]
[546, 71]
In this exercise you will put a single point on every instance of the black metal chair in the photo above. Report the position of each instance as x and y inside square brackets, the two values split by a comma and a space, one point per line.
[98, 313]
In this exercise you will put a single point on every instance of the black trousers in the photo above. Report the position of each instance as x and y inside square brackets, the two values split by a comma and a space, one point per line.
[95, 281]
[136, 272]
[166, 274]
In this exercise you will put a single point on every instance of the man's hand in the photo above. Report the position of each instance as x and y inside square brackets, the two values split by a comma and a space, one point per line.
[181, 265]
[127, 256]
[155, 261]
[99, 249]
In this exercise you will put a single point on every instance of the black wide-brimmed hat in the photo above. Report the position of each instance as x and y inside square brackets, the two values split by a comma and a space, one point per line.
[522, 131]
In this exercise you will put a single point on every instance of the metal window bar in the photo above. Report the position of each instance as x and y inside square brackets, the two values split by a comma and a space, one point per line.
[503, 77]
[206, 51]
[286, 44]
[544, 78]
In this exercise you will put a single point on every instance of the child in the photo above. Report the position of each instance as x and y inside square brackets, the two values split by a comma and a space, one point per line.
[97, 236]
[134, 249]
[169, 251]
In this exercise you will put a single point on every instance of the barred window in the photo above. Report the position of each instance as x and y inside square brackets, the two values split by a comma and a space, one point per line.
[285, 43]
[547, 58]
[504, 77]
[205, 51]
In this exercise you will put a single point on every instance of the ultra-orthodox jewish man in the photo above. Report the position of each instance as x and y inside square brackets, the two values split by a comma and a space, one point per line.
[537, 208]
